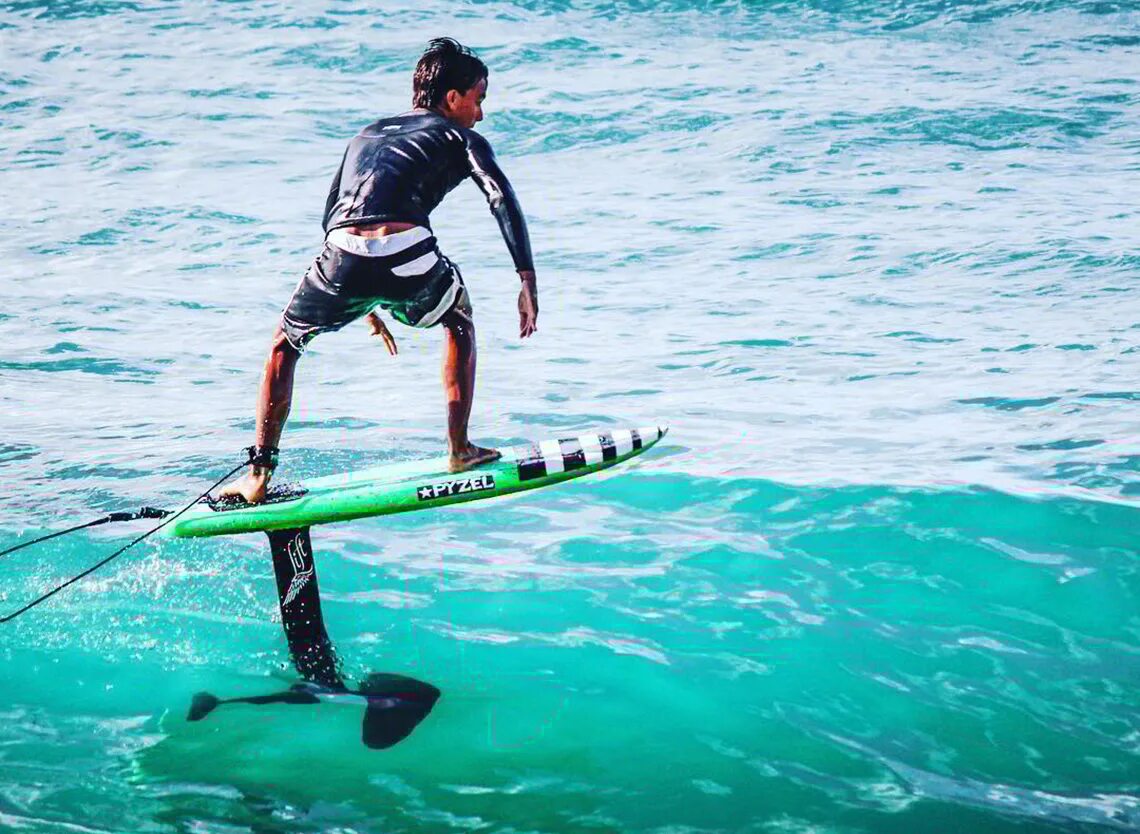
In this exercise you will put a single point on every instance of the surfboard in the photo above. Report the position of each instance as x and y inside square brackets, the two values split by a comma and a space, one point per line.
[415, 485]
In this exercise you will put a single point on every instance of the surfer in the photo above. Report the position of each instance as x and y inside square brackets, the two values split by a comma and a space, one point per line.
[380, 253]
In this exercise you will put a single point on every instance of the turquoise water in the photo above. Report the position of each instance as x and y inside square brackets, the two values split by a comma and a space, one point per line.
[876, 263]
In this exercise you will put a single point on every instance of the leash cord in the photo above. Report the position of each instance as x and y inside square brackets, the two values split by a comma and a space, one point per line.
[145, 512]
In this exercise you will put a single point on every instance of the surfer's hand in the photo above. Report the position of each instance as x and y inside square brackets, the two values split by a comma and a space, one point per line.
[528, 304]
[376, 324]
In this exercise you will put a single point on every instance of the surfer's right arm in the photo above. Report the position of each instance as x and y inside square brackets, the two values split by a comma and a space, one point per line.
[508, 213]
[528, 303]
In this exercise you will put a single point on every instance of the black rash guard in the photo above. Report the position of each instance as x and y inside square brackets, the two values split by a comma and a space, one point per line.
[397, 170]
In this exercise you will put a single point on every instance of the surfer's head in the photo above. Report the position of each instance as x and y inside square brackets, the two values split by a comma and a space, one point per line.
[451, 80]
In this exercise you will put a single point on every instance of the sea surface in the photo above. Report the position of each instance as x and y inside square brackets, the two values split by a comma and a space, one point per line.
[876, 263]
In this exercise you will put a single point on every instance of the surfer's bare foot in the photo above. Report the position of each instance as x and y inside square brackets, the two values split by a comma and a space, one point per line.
[250, 487]
[471, 456]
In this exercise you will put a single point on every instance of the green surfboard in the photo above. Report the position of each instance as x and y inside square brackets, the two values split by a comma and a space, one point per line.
[416, 485]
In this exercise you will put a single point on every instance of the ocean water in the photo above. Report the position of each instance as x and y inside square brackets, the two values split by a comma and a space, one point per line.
[875, 263]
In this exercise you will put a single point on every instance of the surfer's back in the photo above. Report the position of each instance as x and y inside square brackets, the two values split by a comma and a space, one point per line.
[399, 169]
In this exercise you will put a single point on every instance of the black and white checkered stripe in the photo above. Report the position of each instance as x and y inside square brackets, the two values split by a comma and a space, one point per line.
[553, 456]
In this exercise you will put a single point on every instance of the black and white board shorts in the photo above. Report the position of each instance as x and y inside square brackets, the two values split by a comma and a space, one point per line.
[403, 273]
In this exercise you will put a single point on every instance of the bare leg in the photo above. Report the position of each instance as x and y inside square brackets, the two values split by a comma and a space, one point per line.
[459, 389]
[274, 399]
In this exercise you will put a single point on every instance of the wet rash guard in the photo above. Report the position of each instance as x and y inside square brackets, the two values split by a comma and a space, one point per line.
[399, 169]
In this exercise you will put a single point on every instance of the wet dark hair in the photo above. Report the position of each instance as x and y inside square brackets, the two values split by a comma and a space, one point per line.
[445, 65]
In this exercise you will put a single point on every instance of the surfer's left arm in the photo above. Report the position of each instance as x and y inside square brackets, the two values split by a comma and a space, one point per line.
[334, 193]
[378, 328]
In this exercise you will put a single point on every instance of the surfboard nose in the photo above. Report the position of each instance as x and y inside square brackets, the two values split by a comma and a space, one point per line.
[651, 434]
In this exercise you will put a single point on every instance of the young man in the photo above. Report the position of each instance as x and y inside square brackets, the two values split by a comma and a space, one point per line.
[380, 252]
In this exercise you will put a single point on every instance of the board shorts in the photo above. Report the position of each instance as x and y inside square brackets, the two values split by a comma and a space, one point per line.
[403, 273]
